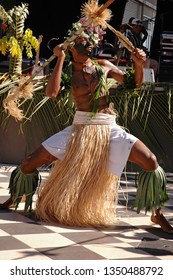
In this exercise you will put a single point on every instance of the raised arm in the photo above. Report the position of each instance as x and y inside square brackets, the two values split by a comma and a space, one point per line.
[54, 84]
[138, 56]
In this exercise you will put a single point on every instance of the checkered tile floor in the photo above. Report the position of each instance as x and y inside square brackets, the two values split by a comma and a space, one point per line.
[134, 237]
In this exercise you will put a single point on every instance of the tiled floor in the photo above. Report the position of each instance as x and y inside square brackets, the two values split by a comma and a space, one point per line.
[135, 237]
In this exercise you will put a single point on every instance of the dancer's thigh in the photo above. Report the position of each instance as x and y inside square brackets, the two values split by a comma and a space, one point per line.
[57, 143]
[121, 144]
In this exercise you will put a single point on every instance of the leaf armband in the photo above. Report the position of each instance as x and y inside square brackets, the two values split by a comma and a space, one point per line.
[129, 81]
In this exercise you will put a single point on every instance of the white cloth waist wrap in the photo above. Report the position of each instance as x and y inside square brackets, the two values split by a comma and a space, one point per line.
[82, 188]
[100, 118]
[121, 142]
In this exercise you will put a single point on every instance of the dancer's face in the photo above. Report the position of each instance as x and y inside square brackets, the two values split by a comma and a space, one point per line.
[84, 46]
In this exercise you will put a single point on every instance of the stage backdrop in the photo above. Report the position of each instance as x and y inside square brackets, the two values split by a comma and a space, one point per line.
[163, 22]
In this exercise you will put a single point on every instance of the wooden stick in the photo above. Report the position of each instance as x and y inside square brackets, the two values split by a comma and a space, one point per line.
[20, 88]
[102, 8]
[107, 4]
[40, 38]
[40, 68]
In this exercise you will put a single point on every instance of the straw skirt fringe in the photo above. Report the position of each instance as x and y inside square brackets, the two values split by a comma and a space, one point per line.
[79, 190]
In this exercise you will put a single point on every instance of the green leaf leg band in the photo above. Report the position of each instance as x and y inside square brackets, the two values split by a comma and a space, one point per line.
[21, 184]
[151, 190]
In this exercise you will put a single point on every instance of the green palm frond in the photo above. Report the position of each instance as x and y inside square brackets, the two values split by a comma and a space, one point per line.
[146, 112]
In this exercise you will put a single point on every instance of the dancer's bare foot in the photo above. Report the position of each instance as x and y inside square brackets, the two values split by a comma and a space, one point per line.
[9, 203]
[160, 220]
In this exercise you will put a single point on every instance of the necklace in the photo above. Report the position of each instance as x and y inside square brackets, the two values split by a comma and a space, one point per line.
[86, 68]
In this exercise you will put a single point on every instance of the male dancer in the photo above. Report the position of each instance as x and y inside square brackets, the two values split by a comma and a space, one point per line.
[91, 154]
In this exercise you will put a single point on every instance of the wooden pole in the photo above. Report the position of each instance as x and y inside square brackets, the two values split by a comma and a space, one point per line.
[66, 42]
[105, 6]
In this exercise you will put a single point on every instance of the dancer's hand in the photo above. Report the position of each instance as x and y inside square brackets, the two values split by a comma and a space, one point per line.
[59, 51]
[138, 56]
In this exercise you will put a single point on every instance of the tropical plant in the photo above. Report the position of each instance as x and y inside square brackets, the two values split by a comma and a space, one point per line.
[146, 109]
[16, 39]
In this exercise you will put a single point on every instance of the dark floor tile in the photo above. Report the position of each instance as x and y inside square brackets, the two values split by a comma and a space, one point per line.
[11, 243]
[24, 228]
[3, 198]
[144, 258]
[70, 253]
[160, 233]
[156, 247]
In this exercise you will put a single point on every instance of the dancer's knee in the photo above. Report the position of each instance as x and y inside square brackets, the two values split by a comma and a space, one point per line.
[152, 162]
[27, 167]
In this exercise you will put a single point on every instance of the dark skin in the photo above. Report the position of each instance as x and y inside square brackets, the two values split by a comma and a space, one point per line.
[83, 87]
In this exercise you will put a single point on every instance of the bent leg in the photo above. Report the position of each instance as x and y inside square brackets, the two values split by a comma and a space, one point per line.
[143, 157]
[39, 157]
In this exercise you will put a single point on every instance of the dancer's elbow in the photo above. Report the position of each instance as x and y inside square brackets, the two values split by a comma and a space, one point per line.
[52, 94]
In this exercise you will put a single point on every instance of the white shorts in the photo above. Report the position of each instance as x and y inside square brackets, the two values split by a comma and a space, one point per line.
[121, 143]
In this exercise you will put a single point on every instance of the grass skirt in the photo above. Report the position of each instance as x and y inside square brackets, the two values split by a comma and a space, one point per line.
[79, 190]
